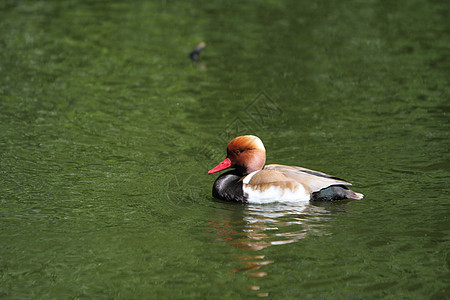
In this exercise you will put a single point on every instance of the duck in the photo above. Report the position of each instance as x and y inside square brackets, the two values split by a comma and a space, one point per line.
[250, 180]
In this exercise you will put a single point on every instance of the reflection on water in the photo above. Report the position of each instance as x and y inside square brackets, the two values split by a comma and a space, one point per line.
[278, 224]
[261, 226]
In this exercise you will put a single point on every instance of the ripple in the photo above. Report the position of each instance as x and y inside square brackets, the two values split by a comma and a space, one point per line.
[257, 227]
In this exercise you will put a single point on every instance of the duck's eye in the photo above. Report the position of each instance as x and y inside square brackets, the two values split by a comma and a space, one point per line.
[237, 151]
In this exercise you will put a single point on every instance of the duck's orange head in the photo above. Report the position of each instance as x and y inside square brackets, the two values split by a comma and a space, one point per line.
[245, 153]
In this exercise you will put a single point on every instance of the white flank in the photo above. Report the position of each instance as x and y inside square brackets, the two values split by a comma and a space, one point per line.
[247, 178]
[274, 194]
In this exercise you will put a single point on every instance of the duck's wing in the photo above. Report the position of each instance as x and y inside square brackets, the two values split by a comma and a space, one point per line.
[315, 180]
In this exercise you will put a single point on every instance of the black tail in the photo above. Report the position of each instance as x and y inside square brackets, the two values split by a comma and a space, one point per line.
[335, 192]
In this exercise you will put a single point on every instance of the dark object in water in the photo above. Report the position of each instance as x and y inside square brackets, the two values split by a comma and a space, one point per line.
[196, 53]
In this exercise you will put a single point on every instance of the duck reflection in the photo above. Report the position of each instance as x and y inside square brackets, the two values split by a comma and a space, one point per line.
[256, 227]
[278, 224]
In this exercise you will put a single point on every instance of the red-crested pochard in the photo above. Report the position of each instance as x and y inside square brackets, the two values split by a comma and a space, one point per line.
[252, 181]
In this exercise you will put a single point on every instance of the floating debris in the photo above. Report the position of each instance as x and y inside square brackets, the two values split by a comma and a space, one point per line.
[195, 55]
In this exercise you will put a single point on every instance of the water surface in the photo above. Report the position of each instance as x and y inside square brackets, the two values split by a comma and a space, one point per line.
[108, 131]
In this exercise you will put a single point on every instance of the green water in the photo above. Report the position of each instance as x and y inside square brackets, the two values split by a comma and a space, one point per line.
[108, 131]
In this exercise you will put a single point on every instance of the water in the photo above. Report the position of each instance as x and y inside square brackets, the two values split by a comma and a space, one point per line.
[108, 130]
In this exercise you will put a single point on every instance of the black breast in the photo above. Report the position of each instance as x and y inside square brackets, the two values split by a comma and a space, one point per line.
[228, 187]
